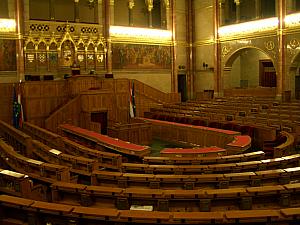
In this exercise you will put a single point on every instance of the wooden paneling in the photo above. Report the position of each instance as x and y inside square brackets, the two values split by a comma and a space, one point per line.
[136, 132]
[6, 102]
[42, 98]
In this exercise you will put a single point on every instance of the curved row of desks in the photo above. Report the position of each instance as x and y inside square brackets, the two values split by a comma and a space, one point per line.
[41, 211]
[111, 160]
[196, 181]
[273, 196]
[100, 140]
[41, 170]
[281, 162]
[105, 159]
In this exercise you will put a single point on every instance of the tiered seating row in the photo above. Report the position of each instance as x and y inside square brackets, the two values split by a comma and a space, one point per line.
[213, 168]
[19, 140]
[77, 164]
[258, 155]
[103, 141]
[200, 135]
[34, 168]
[196, 181]
[105, 159]
[160, 200]
[87, 215]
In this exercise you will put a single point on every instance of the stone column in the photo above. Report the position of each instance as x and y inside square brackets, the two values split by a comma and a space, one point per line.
[257, 9]
[19, 42]
[96, 12]
[281, 74]
[190, 71]
[218, 88]
[222, 12]
[173, 48]
[52, 9]
[168, 23]
[149, 4]
[108, 8]
[76, 8]
[130, 8]
[99, 11]
[238, 10]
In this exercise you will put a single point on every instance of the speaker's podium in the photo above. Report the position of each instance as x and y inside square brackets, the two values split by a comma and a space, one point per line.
[75, 71]
[75, 68]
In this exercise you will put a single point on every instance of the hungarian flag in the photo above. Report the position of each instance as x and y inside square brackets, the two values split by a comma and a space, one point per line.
[17, 107]
[132, 110]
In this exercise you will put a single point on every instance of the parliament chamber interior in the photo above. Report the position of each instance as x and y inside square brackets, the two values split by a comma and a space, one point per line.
[121, 112]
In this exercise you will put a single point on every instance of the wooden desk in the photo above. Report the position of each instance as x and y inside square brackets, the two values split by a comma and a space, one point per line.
[240, 176]
[143, 193]
[89, 212]
[109, 142]
[103, 191]
[226, 193]
[52, 208]
[185, 194]
[239, 144]
[291, 212]
[15, 201]
[200, 217]
[266, 190]
[252, 215]
[136, 215]
[193, 152]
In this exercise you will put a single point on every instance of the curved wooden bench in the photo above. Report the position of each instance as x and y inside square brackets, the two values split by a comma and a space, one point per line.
[34, 168]
[104, 141]
[281, 162]
[204, 160]
[59, 212]
[281, 176]
[281, 146]
[77, 164]
[19, 140]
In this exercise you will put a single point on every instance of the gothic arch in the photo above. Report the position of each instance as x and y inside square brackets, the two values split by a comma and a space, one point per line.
[230, 77]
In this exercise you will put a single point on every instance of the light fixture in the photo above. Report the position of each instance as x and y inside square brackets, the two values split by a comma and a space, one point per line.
[7, 25]
[91, 3]
[292, 20]
[249, 27]
[140, 33]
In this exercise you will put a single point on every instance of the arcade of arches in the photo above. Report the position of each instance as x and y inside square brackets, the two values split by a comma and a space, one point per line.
[102, 37]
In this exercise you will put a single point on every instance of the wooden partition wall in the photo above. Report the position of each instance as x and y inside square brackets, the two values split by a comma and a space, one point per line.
[139, 132]
[48, 103]
[6, 100]
[43, 98]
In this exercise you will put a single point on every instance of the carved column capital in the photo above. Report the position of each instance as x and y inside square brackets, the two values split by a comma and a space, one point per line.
[130, 4]
[167, 3]
[149, 4]
[237, 2]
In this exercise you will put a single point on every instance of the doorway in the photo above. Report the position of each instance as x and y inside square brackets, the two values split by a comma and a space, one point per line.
[267, 74]
[100, 117]
[182, 87]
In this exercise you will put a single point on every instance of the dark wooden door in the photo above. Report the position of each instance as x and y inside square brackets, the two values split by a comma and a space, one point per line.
[100, 117]
[267, 74]
[182, 87]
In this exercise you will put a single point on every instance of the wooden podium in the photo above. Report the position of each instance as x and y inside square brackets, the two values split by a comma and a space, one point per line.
[75, 71]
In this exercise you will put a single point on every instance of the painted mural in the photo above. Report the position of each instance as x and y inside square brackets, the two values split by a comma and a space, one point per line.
[133, 56]
[8, 61]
